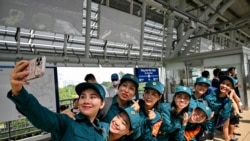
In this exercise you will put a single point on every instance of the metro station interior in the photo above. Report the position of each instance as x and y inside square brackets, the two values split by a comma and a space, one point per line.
[180, 37]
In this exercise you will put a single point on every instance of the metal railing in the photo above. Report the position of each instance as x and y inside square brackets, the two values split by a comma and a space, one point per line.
[22, 128]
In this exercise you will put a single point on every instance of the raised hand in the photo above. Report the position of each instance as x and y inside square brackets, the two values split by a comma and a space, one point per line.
[231, 94]
[212, 115]
[69, 113]
[239, 85]
[136, 105]
[17, 77]
[151, 114]
[185, 119]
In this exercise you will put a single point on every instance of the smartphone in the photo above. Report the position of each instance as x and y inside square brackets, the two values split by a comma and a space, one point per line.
[36, 68]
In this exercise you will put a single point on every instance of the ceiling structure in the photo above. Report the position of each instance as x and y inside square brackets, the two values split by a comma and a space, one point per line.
[171, 28]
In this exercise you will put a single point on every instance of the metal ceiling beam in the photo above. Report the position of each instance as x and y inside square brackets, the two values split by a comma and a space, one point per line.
[78, 61]
[234, 21]
[202, 30]
[212, 54]
[208, 10]
[221, 31]
[243, 32]
[210, 21]
[221, 10]
[191, 17]
[181, 42]
[210, 6]
[163, 5]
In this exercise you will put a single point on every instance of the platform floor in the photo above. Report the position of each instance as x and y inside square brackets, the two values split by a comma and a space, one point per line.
[243, 129]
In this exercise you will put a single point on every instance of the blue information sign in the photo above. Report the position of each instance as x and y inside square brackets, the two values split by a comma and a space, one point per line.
[147, 74]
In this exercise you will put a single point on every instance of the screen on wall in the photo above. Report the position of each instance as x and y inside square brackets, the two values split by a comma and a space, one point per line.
[45, 89]
[118, 26]
[147, 74]
[58, 16]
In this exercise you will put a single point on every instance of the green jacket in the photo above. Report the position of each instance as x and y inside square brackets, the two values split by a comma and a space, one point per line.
[171, 128]
[60, 126]
[114, 110]
[220, 106]
[146, 124]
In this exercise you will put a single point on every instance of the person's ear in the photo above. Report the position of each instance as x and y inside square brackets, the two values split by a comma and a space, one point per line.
[159, 97]
[102, 104]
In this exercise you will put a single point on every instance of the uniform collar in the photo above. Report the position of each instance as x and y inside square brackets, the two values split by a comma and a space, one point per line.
[81, 117]
[114, 101]
[200, 99]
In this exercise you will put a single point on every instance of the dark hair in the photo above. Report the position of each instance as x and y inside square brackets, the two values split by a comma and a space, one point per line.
[223, 73]
[63, 107]
[205, 73]
[230, 69]
[146, 88]
[89, 76]
[74, 100]
[202, 111]
[173, 109]
[174, 112]
[125, 113]
[216, 71]
[124, 80]
[157, 104]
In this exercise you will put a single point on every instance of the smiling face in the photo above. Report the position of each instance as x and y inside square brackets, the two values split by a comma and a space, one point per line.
[120, 125]
[151, 97]
[126, 90]
[181, 100]
[200, 89]
[198, 116]
[90, 103]
[226, 86]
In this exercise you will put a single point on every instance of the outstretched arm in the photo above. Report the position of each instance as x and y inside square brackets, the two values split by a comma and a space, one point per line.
[28, 105]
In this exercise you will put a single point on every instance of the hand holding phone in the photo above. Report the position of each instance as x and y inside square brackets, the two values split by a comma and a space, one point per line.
[36, 68]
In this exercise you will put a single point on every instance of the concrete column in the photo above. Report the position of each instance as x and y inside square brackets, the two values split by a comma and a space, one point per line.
[232, 36]
[143, 17]
[87, 36]
[170, 33]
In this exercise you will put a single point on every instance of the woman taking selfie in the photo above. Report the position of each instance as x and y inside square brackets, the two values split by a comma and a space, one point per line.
[84, 127]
